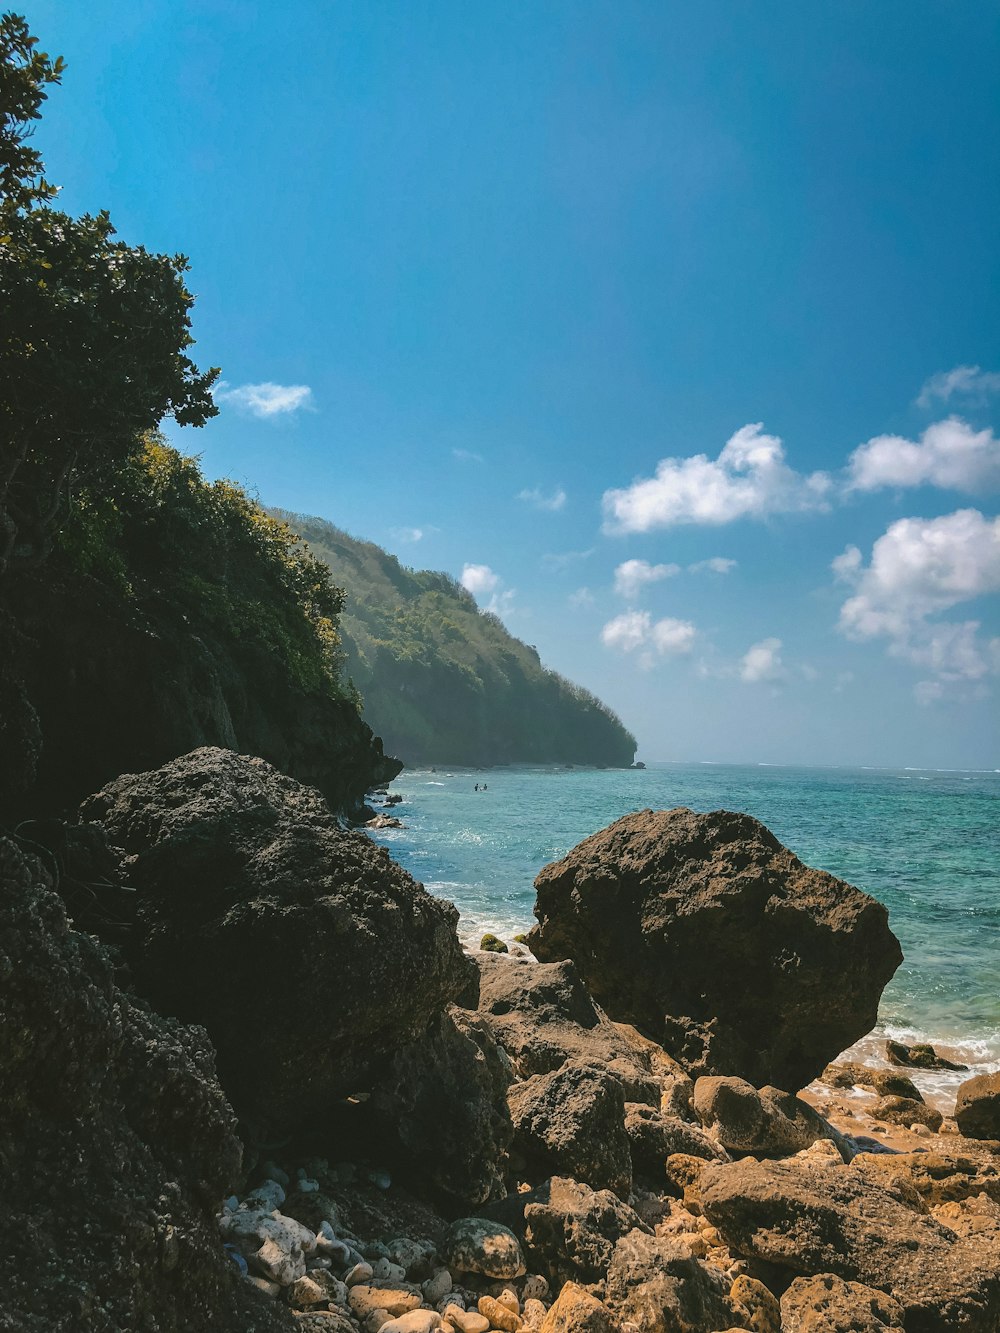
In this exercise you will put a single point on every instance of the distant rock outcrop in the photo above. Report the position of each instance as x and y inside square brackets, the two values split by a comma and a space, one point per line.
[674, 919]
[307, 953]
[115, 1138]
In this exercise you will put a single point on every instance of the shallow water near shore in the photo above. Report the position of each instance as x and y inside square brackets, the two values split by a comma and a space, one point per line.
[924, 842]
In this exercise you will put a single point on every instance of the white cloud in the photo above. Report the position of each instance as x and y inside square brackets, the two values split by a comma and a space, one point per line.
[633, 575]
[466, 456]
[964, 382]
[479, 580]
[582, 597]
[408, 534]
[636, 629]
[536, 497]
[762, 662]
[716, 564]
[918, 569]
[266, 400]
[749, 479]
[950, 454]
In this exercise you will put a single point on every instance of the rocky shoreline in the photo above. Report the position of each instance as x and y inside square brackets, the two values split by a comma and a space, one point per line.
[427, 1139]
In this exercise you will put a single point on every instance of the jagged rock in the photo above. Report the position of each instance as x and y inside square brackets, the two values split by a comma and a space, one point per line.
[571, 1230]
[115, 1139]
[653, 1137]
[572, 1122]
[810, 1220]
[754, 1305]
[918, 1056]
[768, 1122]
[907, 1111]
[261, 918]
[481, 1245]
[543, 1015]
[577, 1311]
[977, 1108]
[886, 1082]
[674, 918]
[828, 1304]
[655, 1284]
[445, 1098]
[932, 1178]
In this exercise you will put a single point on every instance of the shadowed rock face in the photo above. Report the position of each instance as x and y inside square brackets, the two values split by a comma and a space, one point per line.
[307, 953]
[115, 1139]
[717, 941]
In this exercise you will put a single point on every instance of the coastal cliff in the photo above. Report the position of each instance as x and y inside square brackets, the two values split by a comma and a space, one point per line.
[445, 683]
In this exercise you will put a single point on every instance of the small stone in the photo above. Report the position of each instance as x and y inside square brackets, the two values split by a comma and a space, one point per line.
[381, 1268]
[437, 1286]
[305, 1292]
[231, 1204]
[533, 1313]
[269, 1193]
[272, 1171]
[476, 1245]
[491, 944]
[308, 1186]
[359, 1273]
[579, 1311]
[921, 1131]
[509, 1297]
[279, 1264]
[535, 1288]
[755, 1306]
[397, 1299]
[417, 1321]
[375, 1319]
[500, 1316]
[416, 1257]
[267, 1288]
[380, 1179]
[466, 1321]
[318, 1263]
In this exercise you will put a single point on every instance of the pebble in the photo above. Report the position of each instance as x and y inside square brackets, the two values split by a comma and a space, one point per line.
[269, 1193]
[453, 1298]
[270, 1289]
[466, 1321]
[388, 1271]
[307, 1186]
[533, 1313]
[380, 1179]
[375, 1319]
[231, 1204]
[272, 1171]
[508, 1297]
[396, 1300]
[437, 1286]
[412, 1255]
[278, 1264]
[319, 1261]
[362, 1272]
[535, 1288]
[499, 1316]
[305, 1291]
[417, 1321]
[476, 1245]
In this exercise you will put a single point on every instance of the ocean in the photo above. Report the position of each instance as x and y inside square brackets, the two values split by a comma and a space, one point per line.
[926, 843]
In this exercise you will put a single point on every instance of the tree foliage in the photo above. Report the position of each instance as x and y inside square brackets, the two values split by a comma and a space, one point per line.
[93, 332]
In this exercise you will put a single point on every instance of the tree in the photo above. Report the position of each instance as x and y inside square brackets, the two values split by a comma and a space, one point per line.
[93, 332]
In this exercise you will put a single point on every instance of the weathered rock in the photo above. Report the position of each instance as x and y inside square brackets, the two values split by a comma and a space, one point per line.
[906, 1111]
[932, 1178]
[886, 1082]
[395, 1298]
[499, 1314]
[577, 1311]
[257, 912]
[653, 1137]
[115, 1139]
[572, 1122]
[480, 1245]
[445, 1098]
[571, 1230]
[977, 1108]
[918, 1056]
[543, 1016]
[674, 918]
[768, 1122]
[810, 1220]
[828, 1304]
[754, 1305]
[655, 1284]
[417, 1321]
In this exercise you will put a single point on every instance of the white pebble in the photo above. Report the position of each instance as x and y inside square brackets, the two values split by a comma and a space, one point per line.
[359, 1273]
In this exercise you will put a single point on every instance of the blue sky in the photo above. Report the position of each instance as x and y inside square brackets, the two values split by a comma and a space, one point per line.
[672, 328]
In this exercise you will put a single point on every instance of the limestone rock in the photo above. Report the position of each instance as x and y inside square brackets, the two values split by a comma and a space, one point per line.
[653, 1137]
[499, 1314]
[395, 1298]
[977, 1109]
[828, 1304]
[571, 1230]
[572, 1122]
[918, 1056]
[480, 1245]
[577, 1311]
[115, 1138]
[755, 1307]
[886, 1082]
[544, 1016]
[673, 918]
[768, 1122]
[811, 1220]
[907, 1111]
[656, 1285]
[244, 876]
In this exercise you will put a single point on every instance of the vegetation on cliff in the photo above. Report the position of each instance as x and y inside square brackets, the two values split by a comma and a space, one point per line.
[442, 681]
[143, 611]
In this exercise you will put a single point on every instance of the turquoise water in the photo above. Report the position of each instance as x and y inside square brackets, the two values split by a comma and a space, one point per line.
[925, 843]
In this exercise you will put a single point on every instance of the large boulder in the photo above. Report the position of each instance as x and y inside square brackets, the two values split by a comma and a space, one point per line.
[572, 1122]
[810, 1220]
[307, 953]
[766, 1122]
[674, 918]
[444, 1099]
[977, 1107]
[653, 1137]
[571, 1230]
[828, 1304]
[655, 1284]
[116, 1142]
